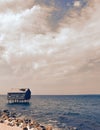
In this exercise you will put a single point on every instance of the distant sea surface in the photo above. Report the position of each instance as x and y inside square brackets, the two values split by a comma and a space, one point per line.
[82, 111]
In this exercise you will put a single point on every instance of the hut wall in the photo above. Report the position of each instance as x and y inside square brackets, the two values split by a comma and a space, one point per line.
[28, 95]
[16, 96]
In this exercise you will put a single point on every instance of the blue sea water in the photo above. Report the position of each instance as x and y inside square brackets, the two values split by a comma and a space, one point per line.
[82, 111]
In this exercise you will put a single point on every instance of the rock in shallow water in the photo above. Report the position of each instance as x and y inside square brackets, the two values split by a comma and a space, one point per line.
[71, 128]
[13, 119]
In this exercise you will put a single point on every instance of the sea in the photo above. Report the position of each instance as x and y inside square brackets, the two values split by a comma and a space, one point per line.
[81, 111]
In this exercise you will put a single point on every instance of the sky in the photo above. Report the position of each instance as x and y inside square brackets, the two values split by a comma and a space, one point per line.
[50, 46]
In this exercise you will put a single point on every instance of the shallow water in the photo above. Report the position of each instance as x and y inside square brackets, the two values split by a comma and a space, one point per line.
[82, 112]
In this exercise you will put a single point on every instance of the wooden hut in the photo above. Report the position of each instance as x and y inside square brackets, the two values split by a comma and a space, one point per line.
[22, 95]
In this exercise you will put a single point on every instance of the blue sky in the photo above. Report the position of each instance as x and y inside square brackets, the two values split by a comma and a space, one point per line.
[62, 8]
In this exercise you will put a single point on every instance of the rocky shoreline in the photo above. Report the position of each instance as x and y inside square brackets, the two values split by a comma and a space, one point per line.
[12, 119]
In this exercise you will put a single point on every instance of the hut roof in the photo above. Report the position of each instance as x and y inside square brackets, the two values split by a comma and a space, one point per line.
[18, 90]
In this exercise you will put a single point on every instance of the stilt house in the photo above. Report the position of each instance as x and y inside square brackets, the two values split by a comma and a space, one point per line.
[19, 95]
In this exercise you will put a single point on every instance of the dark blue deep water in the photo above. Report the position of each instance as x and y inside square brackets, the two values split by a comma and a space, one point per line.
[82, 112]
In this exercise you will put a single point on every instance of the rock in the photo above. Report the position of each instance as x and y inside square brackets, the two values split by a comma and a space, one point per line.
[25, 128]
[31, 125]
[26, 121]
[39, 128]
[71, 128]
[21, 125]
[11, 124]
[49, 128]
[13, 115]
[75, 128]
[18, 115]
[6, 111]
[43, 127]
[36, 124]
[1, 121]
[13, 119]
[17, 124]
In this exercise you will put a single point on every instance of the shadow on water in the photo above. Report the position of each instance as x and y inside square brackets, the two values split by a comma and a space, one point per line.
[19, 104]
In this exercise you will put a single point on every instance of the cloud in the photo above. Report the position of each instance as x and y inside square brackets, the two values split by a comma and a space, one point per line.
[33, 51]
[23, 31]
[15, 6]
[28, 21]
